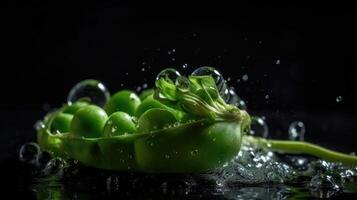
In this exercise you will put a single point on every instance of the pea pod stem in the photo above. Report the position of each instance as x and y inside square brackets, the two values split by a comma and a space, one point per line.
[301, 147]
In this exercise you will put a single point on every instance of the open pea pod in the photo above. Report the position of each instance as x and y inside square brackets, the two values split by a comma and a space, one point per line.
[190, 129]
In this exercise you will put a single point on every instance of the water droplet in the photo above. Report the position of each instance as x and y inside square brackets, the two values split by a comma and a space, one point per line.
[29, 152]
[242, 105]
[245, 77]
[323, 181]
[259, 127]
[43, 158]
[54, 166]
[194, 152]
[339, 99]
[233, 98]
[169, 74]
[113, 183]
[39, 125]
[220, 82]
[94, 90]
[296, 130]
[114, 128]
[182, 83]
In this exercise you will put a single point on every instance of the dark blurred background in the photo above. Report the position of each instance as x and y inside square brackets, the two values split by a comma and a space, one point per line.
[299, 59]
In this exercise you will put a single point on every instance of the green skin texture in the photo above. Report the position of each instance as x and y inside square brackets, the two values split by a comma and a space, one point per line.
[62, 123]
[72, 109]
[119, 123]
[125, 101]
[89, 122]
[193, 146]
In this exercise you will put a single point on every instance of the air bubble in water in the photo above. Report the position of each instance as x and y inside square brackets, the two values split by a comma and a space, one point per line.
[182, 83]
[184, 66]
[218, 78]
[339, 99]
[29, 152]
[296, 130]
[259, 127]
[169, 75]
[94, 90]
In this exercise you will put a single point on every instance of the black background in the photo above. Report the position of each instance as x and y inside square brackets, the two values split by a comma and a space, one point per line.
[48, 47]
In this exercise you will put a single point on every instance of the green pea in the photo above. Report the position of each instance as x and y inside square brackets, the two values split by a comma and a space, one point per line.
[61, 123]
[147, 104]
[125, 101]
[89, 122]
[155, 119]
[119, 123]
[146, 93]
[72, 109]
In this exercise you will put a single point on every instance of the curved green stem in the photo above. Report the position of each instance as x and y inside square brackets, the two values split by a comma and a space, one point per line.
[300, 147]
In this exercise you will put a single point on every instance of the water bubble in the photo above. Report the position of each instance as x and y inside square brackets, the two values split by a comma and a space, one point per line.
[29, 152]
[113, 183]
[324, 185]
[169, 75]
[245, 77]
[182, 83]
[259, 127]
[194, 152]
[220, 82]
[235, 100]
[171, 51]
[54, 166]
[339, 99]
[94, 90]
[297, 130]
[43, 158]
[39, 125]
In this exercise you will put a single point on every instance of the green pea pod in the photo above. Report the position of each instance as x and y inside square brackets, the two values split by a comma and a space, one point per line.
[191, 147]
[181, 128]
